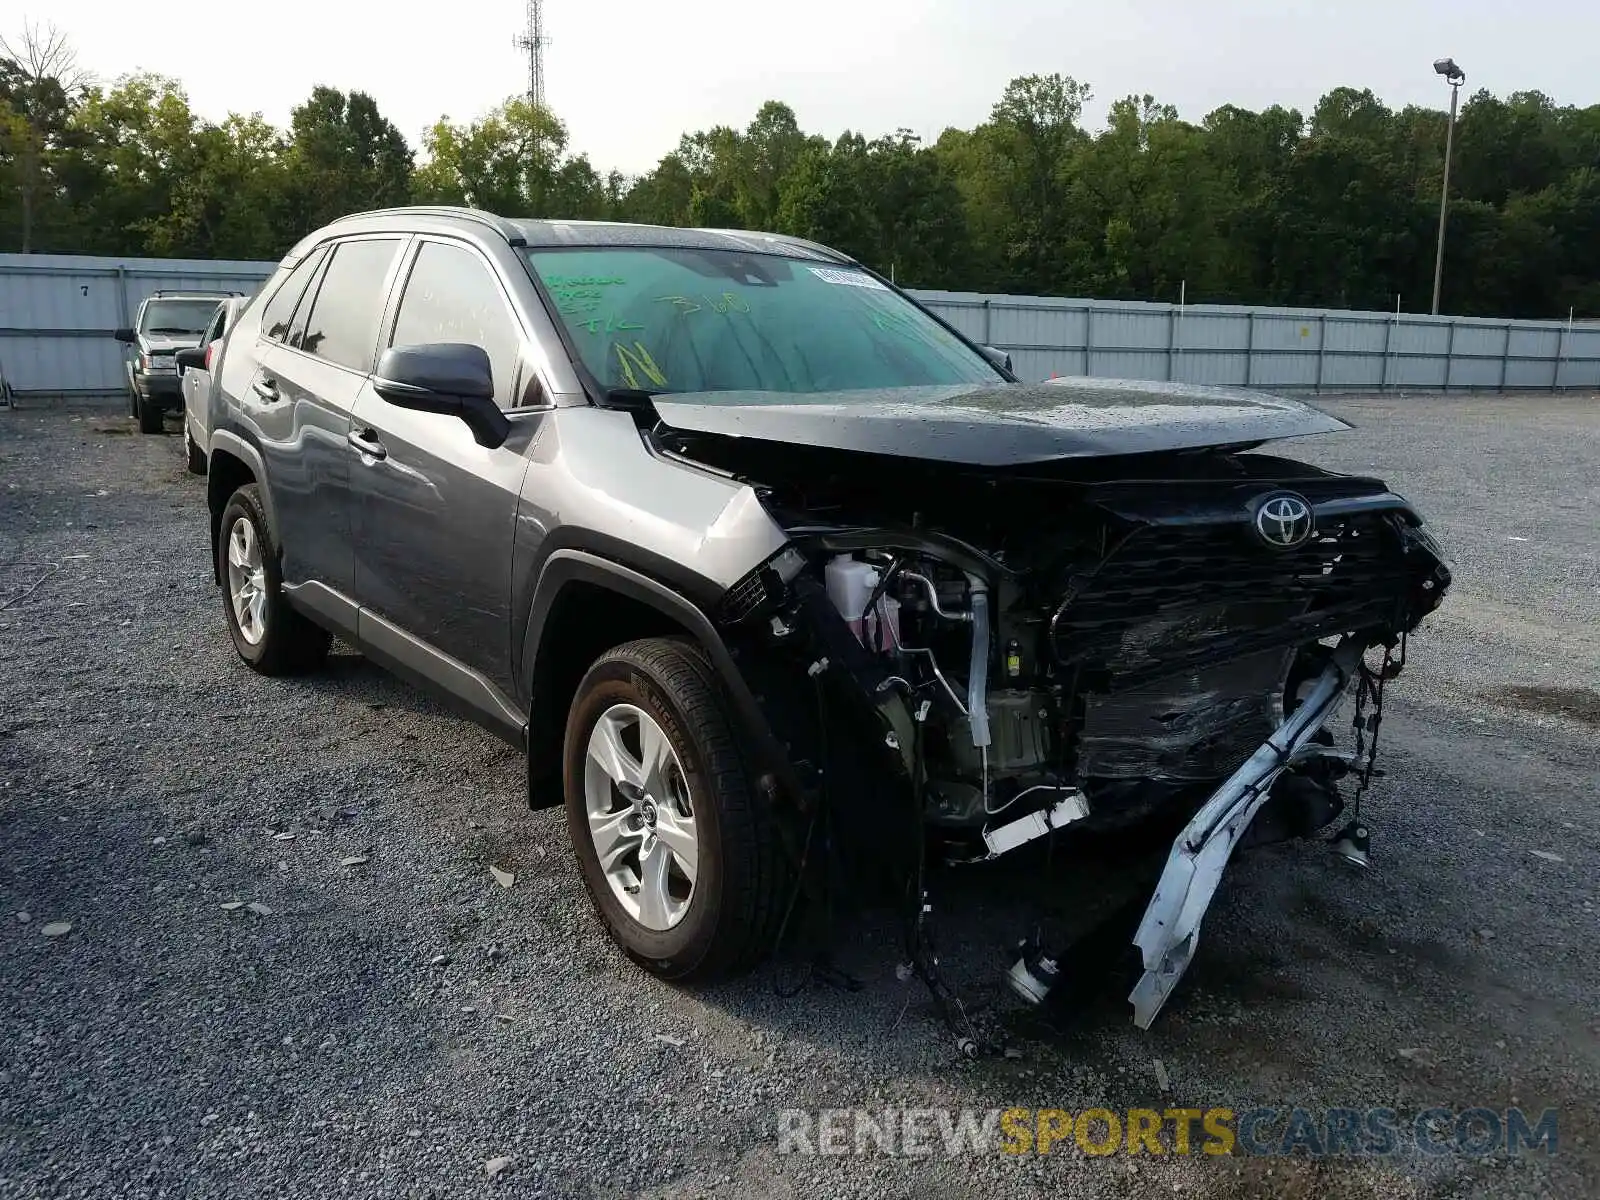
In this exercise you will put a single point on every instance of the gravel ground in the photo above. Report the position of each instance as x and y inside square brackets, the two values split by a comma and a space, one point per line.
[390, 1019]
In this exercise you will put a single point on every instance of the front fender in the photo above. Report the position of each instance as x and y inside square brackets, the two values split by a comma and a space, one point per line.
[567, 567]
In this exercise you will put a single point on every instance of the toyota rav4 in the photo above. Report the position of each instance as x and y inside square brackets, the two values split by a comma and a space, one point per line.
[740, 543]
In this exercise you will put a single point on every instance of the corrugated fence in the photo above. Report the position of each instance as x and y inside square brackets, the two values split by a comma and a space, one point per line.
[57, 313]
[1283, 349]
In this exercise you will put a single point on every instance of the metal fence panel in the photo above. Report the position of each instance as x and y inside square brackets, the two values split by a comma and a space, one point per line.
[57, 313]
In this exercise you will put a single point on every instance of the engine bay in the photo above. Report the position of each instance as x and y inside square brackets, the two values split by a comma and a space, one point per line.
[1099, 643]
[1116, 631]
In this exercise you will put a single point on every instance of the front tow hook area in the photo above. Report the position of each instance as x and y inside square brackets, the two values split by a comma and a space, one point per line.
[1170, 930]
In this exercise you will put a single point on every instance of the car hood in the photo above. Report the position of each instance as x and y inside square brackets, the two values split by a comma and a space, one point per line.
[1001, 425]
[166, 343]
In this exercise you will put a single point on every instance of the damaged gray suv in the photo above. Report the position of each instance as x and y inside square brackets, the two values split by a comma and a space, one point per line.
[787, 589]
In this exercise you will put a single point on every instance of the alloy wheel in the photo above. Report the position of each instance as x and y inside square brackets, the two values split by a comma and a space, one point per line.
[247, 581]
[641, 817]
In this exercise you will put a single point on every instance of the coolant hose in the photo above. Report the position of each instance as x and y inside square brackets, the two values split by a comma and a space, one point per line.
[978, 672]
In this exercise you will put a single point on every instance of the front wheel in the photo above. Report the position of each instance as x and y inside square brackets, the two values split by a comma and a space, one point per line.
[269, 635]
[678, 851]
[149, 414]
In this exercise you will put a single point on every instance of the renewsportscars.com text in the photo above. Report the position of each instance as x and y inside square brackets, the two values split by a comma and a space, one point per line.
[1099, 1132]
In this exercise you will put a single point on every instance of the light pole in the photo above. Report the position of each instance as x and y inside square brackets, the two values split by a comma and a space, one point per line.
[1455, 77]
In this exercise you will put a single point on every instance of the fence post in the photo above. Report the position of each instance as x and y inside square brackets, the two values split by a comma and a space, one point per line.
[1088, 341]
[1388, 341]
[1322, 344]
[122, 296]
[1505, 356]
[988, 323]
[1561, 350]
[1450, 354]
[1172, 340]
[1250, 349]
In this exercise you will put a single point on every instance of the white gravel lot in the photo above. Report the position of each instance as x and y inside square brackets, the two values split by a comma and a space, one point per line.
[318, 1046]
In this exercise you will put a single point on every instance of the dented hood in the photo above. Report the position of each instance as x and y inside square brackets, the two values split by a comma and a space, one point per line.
[1003, 424]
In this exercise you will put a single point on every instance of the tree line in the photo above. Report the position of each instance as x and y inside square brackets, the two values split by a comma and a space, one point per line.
[1337, 209]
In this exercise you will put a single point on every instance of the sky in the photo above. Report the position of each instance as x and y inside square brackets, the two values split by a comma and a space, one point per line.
[629, 76]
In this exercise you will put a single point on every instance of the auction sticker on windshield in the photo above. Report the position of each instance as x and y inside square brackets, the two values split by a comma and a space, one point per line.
[848, 278]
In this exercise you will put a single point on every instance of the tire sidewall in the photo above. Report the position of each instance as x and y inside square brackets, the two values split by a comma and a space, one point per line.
[194, 458]
[149, 413]
[244, 503]
[680, 949]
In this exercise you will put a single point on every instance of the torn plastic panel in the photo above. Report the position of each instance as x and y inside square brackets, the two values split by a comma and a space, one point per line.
[1170, 930]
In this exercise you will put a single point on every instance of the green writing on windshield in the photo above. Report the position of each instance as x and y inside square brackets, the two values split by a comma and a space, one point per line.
[636, 361]
[571, 281]
[610, 323]
[727, 302]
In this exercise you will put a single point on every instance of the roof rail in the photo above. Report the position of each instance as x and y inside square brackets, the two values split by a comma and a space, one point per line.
[206, 292]
[500, 225]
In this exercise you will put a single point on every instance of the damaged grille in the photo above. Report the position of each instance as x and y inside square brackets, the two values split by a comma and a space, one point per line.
[1176, 598]
[1198, 724]
[1181, 638]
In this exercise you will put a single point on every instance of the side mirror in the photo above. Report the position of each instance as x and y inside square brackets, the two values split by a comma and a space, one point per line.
[998, 357]
[194, 356]
[126, 336]
[452, 378]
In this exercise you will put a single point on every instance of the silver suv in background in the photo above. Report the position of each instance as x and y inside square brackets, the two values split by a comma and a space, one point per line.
[196, 367]
[785, 586]
[166, 322]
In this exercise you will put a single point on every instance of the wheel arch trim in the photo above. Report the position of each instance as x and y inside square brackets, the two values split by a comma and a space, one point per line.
[231, 443]
[569, 566]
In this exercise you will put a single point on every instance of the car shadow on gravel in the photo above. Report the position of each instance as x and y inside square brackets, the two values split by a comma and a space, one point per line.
[349, 675]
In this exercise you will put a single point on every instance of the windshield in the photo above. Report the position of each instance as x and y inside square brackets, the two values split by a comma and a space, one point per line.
[177, 318]
[674, 320]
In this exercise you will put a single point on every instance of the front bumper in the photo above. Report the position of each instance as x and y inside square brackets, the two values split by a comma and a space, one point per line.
[160, 388]
[1170, 930]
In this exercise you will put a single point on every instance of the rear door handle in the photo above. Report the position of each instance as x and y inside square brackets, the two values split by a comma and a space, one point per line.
[267, 389]
[367, 443]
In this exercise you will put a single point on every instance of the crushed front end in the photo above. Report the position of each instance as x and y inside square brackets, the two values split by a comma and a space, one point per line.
[1105, 643]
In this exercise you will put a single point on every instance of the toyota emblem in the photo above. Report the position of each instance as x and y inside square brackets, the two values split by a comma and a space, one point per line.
[1284, 521]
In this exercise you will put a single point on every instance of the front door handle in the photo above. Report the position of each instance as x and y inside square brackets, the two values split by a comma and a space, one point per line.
[266, 388]
[367, 443]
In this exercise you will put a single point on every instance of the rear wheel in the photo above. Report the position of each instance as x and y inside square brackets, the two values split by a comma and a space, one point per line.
[268, 634]
[195, 458]
[677, 849]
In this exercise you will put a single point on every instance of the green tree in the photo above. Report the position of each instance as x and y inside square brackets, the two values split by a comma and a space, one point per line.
[134, 143]
[1254, 207]
[513, 161]
[39, 84]
[343, 156]
[1013, 171]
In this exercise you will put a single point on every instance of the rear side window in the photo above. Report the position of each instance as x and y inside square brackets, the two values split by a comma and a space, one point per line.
[343, 325]
[217, 327]
[279, 312]
[451, 296]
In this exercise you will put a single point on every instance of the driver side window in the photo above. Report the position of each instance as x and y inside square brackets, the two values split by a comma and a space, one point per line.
[452, 296]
